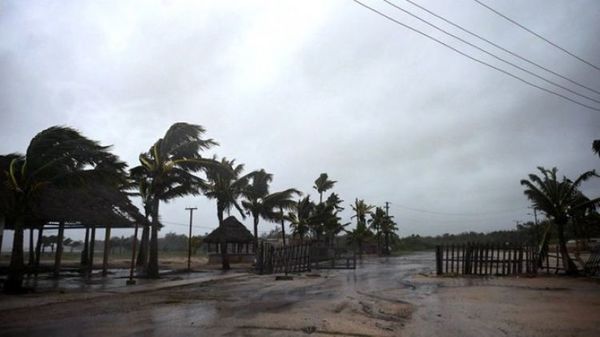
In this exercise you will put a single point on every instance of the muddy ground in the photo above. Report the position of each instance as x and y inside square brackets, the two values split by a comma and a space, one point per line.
[383, 297]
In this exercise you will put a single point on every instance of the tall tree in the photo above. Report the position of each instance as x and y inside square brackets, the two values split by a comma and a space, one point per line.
[58, 157]
[169, 167]
[225, 184]
[361, 233]
[376, 222]
[261, 204]
[253, 203]
[558, 198]
[300, 217]
[322, 184]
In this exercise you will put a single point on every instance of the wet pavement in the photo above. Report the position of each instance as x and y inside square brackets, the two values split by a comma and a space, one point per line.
[254, 305]
[383, 297]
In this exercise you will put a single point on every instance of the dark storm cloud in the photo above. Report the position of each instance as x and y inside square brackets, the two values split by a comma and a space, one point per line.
[304, 88]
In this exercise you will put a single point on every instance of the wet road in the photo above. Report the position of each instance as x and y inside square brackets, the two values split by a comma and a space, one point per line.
[376, 299]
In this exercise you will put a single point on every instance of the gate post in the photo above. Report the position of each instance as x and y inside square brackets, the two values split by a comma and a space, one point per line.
[438, 260]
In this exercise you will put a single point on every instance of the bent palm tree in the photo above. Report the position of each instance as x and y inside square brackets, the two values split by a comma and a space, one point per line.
[224, 184]
[322, 184]
[57, 157]
[168, 167]
[558, 199]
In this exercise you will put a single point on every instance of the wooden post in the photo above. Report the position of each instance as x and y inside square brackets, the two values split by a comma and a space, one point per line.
[90, 268]
[59, 249]
[135, 233]
[438, 260]
[85, 251]
[106, 250]
[38, 249]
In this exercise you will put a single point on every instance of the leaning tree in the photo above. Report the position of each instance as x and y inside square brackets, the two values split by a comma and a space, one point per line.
[168, 168]
[558, 199]
[58, 157]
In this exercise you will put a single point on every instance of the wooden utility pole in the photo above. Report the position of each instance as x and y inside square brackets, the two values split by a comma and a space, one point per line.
[191, 209]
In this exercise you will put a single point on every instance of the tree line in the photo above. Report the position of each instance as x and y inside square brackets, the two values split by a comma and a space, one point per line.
[62, 165]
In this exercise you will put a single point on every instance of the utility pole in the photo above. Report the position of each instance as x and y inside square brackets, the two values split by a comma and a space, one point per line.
[191, 209]
[386, 240]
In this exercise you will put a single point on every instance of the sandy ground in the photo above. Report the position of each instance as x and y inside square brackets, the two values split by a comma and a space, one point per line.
[383, 297]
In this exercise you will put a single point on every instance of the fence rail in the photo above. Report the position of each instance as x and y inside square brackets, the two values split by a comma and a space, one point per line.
[288, 259]
[485, 259]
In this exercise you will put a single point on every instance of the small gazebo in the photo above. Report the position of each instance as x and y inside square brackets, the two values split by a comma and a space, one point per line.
[238, 239]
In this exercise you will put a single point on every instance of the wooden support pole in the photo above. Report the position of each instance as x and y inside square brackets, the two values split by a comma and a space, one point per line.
[106, 250]
[131, 281]
[59, 249]
[90, 268]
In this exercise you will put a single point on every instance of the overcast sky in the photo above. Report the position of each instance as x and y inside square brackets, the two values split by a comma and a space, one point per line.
[300, 87]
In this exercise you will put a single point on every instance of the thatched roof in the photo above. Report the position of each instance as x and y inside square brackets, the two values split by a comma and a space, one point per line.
[233, 230]
[97, 205]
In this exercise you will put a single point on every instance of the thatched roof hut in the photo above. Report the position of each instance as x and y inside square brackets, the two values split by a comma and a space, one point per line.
[232, 231]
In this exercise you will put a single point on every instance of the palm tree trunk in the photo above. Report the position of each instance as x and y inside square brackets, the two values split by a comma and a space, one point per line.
[142, 258]
[568, 264]
[283, 231]
[224, 257]
[152, 270]
[14, 280]
[84, 251]
[255, 247]
[360, 249]
[31, 249]
[387, 243]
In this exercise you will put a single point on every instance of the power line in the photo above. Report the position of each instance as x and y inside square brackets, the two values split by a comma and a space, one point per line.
[489, 53]
[536, 34]
[502, 48]
[478, 60]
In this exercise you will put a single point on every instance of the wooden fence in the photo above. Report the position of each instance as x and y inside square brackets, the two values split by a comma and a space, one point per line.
[485, 259]
[288, 259]
[592, 265]
[551, 260]
[328, 257]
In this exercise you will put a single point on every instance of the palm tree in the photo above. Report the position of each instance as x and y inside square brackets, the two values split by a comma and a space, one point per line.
[254, 194]
[361, 233]
[57, 157]
[322, 184]
[376, 222]
[301, 217]
[281, 201]
[168, 167]
[558, 199]
[225, 184]
[260, 204]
